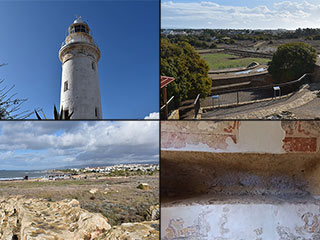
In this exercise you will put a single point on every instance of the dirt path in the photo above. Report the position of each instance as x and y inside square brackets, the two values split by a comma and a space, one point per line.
[301, 104]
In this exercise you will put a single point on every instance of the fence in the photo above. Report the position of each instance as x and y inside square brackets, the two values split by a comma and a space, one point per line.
[237, 96]
[166, 109]
[196, 105]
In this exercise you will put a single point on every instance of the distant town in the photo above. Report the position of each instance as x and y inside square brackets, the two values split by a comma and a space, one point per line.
[225, 31]
[144, 168]
[105, 171]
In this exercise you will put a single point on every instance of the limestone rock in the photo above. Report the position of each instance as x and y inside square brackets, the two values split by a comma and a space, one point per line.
[93, 190]
[31, 219]
[144, 186]
[148, 230]
[153, 213]
[34, 219]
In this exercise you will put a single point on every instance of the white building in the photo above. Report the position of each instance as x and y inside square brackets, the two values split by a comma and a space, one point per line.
[80, 92]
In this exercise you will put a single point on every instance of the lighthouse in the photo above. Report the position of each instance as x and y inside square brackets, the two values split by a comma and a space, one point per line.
[80, 92]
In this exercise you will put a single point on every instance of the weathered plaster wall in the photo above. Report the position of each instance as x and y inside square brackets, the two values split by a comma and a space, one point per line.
[236, 180]
[241, 222]
[241, 136]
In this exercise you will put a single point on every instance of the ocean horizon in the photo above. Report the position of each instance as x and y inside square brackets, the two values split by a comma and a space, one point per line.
[20, 174]
[6, 175]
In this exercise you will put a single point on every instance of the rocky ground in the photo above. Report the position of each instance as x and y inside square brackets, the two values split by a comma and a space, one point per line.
[116, 198]
[34, 219]
[112, 208]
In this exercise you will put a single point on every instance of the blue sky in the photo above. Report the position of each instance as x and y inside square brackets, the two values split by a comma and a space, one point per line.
[254, 14]
[38, 145]
[127, 33]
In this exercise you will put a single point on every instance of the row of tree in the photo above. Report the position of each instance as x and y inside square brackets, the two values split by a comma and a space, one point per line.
[207, 38]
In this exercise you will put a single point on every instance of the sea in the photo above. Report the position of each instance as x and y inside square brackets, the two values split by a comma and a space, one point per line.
[6, 175]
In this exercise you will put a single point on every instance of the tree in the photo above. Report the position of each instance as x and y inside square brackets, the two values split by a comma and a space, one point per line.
[291, 61]
[10, 105]
[182, 62]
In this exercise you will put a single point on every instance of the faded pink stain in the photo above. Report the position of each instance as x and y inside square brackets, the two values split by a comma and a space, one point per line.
[231, 128]
[299, 144]
[301, 130]
[181, 140]
[295, 128]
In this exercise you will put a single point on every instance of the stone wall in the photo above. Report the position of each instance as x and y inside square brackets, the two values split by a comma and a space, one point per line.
[254, 80]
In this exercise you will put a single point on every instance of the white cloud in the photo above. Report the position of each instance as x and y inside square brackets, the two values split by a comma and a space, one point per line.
[208, 14]
[39, 145]
[154, 115]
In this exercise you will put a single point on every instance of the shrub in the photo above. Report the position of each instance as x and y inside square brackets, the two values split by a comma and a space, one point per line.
[291, 61]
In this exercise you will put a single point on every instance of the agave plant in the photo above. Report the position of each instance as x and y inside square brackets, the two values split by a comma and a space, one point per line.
[56, 114]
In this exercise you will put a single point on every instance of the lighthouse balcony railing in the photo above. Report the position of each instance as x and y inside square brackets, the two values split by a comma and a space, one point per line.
[64, 43]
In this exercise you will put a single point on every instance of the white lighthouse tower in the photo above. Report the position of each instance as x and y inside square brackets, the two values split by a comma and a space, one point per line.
[80, 92]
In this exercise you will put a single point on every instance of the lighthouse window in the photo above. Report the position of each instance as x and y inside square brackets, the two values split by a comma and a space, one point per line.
[79, 28]
[93, 66]
[96, 112]
[66, 87]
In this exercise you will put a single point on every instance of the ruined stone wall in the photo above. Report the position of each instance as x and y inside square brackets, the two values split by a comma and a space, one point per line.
[258, 79]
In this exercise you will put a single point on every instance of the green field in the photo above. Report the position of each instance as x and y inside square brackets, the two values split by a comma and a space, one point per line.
[222, 60]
